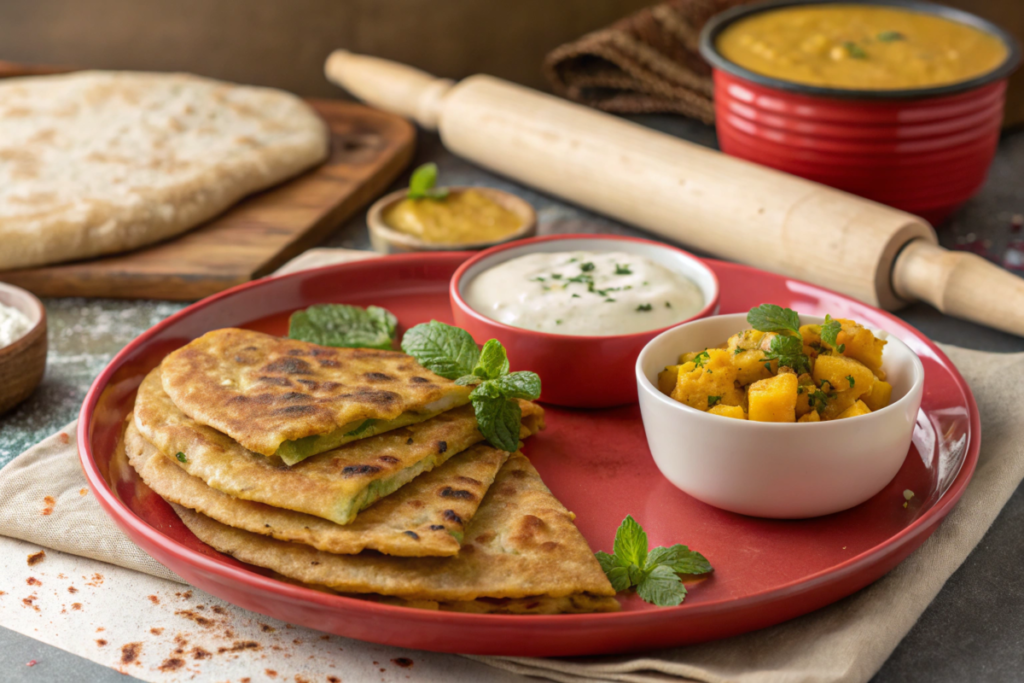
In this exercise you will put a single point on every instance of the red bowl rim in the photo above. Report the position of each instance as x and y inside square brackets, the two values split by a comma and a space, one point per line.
[719, 22]
[456, 296]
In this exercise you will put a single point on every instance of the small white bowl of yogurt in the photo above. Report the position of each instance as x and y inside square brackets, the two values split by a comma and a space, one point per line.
[22, 345]
[578, 309]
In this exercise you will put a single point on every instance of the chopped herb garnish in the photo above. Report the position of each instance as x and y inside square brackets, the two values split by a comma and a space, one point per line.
[789, 352]
[830, 387]
[849, 378]
[799, 390]
[609, 301]
[181, 457]
[668, 305]
[644, 307]
[575, 296]
[818, 400]
[586, 267]
[558, 322]
[830, 330]
[654, 573]
[854, 50]
[622, 270]
[713, 401]
[737, 351]
[890, 36]
[539, 278]
[556, 276]
[701, 358]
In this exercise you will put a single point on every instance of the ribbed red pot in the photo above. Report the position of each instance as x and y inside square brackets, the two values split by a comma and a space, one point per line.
[925, 151]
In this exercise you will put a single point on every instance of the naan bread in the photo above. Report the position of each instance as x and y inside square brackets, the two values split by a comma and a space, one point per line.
[291, 398]
[522, 543]
[100, 162]
[334, 485]
[424, 518]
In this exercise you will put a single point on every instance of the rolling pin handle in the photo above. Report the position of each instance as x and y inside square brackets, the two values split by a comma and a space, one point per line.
[390, 86]
[961, 284]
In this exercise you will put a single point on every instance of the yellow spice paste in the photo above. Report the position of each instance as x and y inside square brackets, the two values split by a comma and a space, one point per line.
[860, 47]
[462, 217]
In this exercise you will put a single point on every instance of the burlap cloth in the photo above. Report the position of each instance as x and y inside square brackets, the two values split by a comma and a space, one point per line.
[846, 642]
[645, 63]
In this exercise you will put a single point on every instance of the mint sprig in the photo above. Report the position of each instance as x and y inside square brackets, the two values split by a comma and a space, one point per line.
[344, 326]
[830, 333]
[451, 352]
[654, 573]
[789, 352]
[421, 184]
[772, 318]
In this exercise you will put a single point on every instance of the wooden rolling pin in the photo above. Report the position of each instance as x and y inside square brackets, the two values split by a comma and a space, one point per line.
[715, 203]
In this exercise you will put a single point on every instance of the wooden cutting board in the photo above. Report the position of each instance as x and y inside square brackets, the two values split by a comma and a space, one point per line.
[369, 149]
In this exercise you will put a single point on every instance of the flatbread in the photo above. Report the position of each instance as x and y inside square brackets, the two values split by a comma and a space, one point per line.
[335, 485]
[424, 518]
[264, 391]
[98, 162]
[521, 543]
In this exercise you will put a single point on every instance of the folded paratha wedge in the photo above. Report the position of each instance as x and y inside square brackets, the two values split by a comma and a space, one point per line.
[293, 399]
[522, 543]
[334, 485]
[426, 517]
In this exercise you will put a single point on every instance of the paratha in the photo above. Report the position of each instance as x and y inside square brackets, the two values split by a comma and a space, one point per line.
[295, 399]
[334, 485]
[426, 517]
[522, 543]
[98, 162]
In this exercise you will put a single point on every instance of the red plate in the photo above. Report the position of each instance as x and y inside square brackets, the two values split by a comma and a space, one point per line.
[596, 462]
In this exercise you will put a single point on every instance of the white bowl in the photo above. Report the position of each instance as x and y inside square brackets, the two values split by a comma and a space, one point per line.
[767, 469]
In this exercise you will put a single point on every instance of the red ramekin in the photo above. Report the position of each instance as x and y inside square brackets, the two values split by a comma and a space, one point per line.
[575, 370]
[925, 150]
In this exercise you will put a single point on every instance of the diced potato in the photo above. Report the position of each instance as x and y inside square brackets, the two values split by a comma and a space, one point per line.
[714, 381]
[803, 400]
[811, 334]
[810, 417]
[836, 404]
[687, 357]
[861, 344]
[858, 408]
[750, 366]
[735, 412]
[879, 396]
[773, 399]
[667, 379]
[843, 374]
[747, 340]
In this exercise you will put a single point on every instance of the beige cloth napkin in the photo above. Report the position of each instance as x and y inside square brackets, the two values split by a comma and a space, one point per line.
[846, 642]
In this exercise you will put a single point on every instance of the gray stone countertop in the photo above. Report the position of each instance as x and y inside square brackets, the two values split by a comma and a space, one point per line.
[971, 631]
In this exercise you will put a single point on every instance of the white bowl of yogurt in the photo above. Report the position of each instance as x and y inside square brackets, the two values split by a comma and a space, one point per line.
[578, 309]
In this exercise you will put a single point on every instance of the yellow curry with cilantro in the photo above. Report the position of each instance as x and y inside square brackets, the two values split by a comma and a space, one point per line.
[860, 47]
[782, 371]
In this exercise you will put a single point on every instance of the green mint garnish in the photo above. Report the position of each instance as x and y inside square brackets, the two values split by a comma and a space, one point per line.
[701, 358]
[451, 352]
[421, 184]
[830, 330]
[789, 352]
[713, 401]
[556, 276]
[668, 305]
[345, 326]
[644, 307]
[181, 457]
[622, 270]
[654, 573]
[890, 36]
[855, 50]
[586, 267]
[772, 318]
[849, 378]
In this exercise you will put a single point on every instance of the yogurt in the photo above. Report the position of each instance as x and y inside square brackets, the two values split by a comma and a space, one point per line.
[13, 325]
[584, 293]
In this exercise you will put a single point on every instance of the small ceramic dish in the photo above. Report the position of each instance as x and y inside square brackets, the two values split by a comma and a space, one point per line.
[766, 469]
[387, 240]
[23, 362]
[575, 370]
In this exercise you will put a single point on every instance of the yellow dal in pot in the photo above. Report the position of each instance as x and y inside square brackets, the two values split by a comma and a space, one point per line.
[860, 47]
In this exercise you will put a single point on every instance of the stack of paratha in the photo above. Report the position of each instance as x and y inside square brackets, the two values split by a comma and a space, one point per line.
[356, 471]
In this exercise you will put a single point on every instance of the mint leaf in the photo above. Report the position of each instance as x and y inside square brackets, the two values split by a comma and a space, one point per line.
[890, 36]
[421, 184]
[344, 326]
[661, 586]
[493, 361]
[772, 318]
[789, 352]
[523, 384]
[443, 349]
[617, 576]
[830, 331]
[497, 418]
[468, 381]
[631, 543]
[680, 559]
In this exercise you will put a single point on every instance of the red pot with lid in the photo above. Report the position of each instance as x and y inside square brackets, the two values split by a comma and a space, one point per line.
[922, 150]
